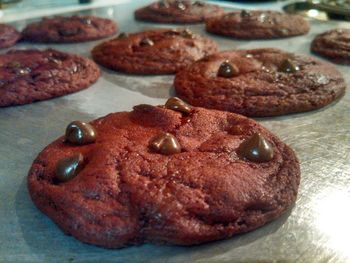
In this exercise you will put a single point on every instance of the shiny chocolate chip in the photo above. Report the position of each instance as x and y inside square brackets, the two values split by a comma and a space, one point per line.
[199, 3]
[165, 143]
[288, 66]
[122, 35]
[80, 133]
[177, 104]
[187, 33]
[146, 42]
[180, 5]
[245, 13]
[69, 167]
[256, 149]
[86, 21]
[227, 70]
[163, 4]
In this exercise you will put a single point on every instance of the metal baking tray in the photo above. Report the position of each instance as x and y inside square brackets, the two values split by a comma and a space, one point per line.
[315, 230]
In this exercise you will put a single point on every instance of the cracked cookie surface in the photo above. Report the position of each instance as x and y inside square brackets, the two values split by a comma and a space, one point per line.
[160, 51]
[175, 11]
[128, 194]
[265, 83]
[62, 29]
[333, 44]
[258, 25]
[34, 75]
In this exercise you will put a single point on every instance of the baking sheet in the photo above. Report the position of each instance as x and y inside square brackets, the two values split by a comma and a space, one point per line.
[315, 230]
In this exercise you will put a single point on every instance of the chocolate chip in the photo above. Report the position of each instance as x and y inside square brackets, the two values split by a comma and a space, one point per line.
[199, 3]
[256, 149]
[122, 35]
[245, 13]
[187, 33]
[69, 167]
[86, 21]
[227, 70]
[80, 133]
[163, 4]
[180, 5]
[177, 104]
[165, 143]
[146, 42]
[288, 66]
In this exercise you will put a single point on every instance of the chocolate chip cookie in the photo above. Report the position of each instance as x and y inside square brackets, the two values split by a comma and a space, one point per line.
[168, 174]
[160, 51]
[178, 11]
[33, 75]
[258, 25]
[61, 29]
[8, 36]
[260, 82]
[333, 44]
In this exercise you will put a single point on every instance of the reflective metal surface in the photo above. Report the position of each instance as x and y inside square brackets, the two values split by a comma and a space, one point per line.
[315, 230]
[321, 10]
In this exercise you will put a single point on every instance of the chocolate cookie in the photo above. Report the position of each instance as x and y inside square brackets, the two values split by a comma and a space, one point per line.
[258, 25]
[333, 44]
[61, 29]
[33, 75]
[260, 82]
[161, 51]
[178, 11]
[8, 36]
[172, 174]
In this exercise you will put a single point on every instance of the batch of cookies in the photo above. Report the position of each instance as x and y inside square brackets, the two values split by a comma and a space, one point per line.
[195, 169]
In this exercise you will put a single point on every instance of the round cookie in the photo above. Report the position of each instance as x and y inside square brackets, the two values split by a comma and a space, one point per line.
[258, 25]
[164, 176]
[260, 82]
[160, 51]
[33, 75]
[333, 44]
[178, 11]
[61, 29]
[8, 36]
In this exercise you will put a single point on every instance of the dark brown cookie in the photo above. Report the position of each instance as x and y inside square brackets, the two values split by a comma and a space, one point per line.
[161, 51]
[8, 36]
[258, 25]
[178, 11]
[165, 176]
[61, 29]
[260, 82]
[33, 75]
[333, 44]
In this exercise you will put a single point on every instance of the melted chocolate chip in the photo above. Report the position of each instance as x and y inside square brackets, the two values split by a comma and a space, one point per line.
[78, 132]
[146, 42]
[256, 149]
[69, 167]
[227, 70]
[122, 35]
[180, 5]
[199, 3]
[288, 66]
[187, 33]
[165, 143]
[86, 21]
[245, 13]
[163, 4]
[177, 104]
